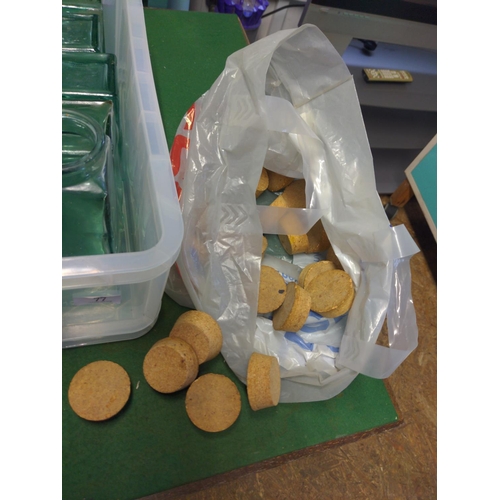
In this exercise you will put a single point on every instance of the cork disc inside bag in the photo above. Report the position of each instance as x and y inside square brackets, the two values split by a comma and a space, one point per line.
[277, 182]
[99, 390]
[318, 239]
[329, 290]
[263, 183]
[272, 290]
[314, 269]
[342, 308]
[294, 311]
[294, 243]
[213, 402]
[330, 255]
[294, 195]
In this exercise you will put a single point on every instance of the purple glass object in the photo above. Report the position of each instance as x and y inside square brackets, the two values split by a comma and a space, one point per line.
[249, 11]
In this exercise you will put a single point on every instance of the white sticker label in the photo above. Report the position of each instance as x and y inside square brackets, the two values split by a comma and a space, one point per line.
[110, 298]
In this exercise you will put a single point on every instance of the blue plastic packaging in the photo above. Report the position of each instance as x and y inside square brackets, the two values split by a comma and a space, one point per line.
[249, 11]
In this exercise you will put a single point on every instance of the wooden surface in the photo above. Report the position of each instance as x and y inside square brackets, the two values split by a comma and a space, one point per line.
[398, 462]
[402, 195]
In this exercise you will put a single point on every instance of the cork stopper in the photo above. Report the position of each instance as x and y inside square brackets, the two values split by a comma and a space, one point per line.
[99, 390]
[294, 243]
[278, 182]
[343, 308]
[170, 365]
[294, 195]
[272, 290]
[263, 183]
[263, 381]
[292, 315]
[332, 257]
[312, 270]
[201, 332]
[213, 402]
[329, 290]
[318, 239]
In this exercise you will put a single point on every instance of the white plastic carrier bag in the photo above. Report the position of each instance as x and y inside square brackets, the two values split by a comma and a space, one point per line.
[288, 102]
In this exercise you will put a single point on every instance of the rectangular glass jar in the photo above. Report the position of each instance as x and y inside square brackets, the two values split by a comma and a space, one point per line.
[88, 76]
[86, 163]
[82, 28]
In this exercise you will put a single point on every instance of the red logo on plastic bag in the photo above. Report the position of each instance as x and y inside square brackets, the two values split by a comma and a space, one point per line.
[181, 142]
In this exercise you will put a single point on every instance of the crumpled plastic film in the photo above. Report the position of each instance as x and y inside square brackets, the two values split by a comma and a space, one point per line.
[289, 102]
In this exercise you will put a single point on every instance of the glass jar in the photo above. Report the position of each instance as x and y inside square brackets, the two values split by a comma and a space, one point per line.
[82, 27]
[88, 76]
[86, 159]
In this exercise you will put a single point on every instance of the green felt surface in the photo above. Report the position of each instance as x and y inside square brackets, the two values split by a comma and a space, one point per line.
[188, 52]
[152, 446]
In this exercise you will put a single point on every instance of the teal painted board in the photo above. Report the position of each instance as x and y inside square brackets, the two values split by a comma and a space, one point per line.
[422, 175]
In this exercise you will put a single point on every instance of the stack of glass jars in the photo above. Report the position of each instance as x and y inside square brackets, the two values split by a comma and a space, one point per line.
[89, 130]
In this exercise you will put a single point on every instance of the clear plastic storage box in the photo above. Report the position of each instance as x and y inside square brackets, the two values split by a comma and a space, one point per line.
[117, 296]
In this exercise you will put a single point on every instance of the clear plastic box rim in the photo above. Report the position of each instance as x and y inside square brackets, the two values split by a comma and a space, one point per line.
[135, 267]
[125, 31]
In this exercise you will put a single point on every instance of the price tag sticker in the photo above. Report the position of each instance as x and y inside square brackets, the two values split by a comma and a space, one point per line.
[110, 297]
[386, 75]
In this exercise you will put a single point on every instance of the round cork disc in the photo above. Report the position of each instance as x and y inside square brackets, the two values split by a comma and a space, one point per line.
[318, 239]
[312, 270]
[263, 183]
[213, 402]
[330, 255]
[329, 290]
[263, 381]
[277, 182]
[170, 365]
[201, 332]
[294, 243]
[272, 290]
[294, 311]
[294, 195]
[342, 308]
[264, 244]
[99, 390]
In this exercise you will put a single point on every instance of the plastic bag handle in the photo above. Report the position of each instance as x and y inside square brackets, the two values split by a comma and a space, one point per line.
[363, 356]
[374, 360]
[279, 220]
